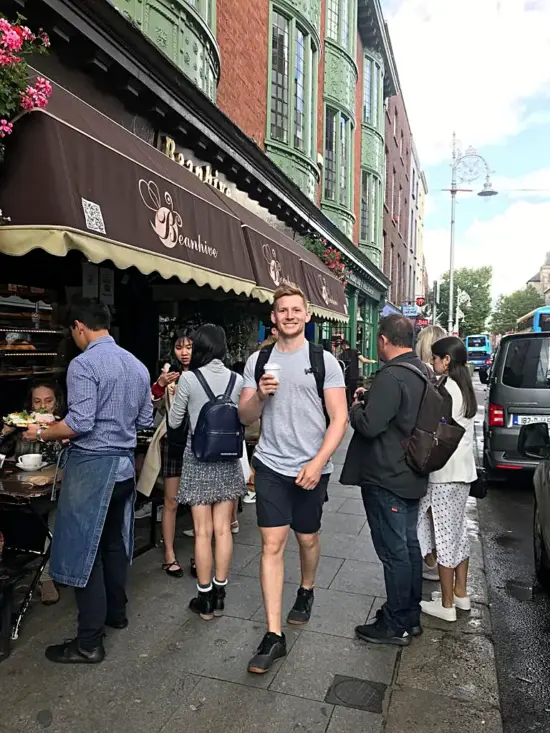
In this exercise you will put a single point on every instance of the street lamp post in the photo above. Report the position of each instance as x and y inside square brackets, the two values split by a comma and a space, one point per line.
[466, 168]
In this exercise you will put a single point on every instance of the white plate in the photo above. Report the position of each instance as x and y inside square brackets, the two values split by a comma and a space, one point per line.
[24, 468]
[530, 419]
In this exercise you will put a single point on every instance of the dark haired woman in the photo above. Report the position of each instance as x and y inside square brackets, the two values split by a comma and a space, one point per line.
[209, 488]
[165, 456]
[46, 397]
[449, 488]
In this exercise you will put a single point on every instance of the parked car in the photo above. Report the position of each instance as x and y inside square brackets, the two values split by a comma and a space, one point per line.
[534, 443]
[518, 394]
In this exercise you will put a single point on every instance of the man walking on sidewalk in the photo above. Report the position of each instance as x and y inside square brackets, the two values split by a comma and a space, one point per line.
[391, 490]
[293, 457]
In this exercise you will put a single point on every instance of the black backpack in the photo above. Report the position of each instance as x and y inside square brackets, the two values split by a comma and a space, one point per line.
[435, 436]
[317, 361]
[219, 435]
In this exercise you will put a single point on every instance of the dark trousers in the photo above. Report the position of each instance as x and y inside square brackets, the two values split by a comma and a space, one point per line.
[104, 597]
[393, 525]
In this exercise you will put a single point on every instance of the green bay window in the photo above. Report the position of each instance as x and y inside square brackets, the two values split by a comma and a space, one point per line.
[369, 221]
[340, 17]
[372, 92]
[337, 158]
[292, 87]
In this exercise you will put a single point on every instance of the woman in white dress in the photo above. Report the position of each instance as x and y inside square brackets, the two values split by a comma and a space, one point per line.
[445, 537]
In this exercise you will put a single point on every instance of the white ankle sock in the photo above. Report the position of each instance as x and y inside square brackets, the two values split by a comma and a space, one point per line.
[204, 588]
[220, 583]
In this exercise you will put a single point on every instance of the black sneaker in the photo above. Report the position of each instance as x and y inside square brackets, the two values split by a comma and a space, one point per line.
[72, 653]
[272, 648]
[203, 605]
[416, 630]
[301, 611]
[379, 633]
[218, 595]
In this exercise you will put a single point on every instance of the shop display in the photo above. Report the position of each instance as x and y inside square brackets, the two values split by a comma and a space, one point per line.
[29, 339]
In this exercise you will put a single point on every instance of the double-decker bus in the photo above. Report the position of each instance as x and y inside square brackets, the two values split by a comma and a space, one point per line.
[536, 321]
[480, 352]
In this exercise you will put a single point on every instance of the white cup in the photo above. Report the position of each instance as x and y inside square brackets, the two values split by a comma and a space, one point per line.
[2, 459]
[273, 370]
[31, 460]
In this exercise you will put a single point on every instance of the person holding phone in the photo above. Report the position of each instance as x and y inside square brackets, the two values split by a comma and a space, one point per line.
[163, 391]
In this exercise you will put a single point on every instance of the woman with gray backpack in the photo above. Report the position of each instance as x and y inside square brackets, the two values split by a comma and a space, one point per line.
[212, 476]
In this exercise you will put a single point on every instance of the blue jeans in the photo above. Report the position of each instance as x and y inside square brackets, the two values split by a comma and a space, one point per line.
[393, 525]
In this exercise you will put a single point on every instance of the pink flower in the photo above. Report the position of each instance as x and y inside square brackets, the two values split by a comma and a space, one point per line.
[27, 34]
[37, 96]
[12, 40]
[8, 57]
[5, 128]
[44, 38]
[4, 25]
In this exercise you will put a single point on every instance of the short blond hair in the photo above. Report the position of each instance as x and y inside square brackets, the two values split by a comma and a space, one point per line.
[426, 339]
[283, 291]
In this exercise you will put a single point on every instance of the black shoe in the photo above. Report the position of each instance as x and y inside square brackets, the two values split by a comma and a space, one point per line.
[203, 605]
[415, 630]
[72, 653]
[301, 611]
[272, 648]
[122, 624]
[379, 633]
[218, 593]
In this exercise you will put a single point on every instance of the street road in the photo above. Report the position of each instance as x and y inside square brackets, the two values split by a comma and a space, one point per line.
[520, 611]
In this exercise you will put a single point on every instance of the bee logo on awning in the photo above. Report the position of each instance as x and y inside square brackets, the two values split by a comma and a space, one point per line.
[275, 268]
[167, 222]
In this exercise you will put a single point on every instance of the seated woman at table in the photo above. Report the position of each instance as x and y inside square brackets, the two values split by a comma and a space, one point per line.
[46, 396]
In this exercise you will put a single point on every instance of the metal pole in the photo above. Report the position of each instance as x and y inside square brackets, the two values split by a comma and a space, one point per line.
[452, 248]
[434, 307]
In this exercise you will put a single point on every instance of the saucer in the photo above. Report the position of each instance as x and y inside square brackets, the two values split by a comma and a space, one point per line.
[29, 470]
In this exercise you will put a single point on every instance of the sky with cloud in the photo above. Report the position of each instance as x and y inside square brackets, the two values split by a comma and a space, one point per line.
[480, 68]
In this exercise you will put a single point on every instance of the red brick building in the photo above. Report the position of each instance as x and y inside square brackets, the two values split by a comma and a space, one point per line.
[398, 261]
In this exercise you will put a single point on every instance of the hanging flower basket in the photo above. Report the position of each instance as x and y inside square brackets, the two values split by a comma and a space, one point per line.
[329, 256]
[17, 41]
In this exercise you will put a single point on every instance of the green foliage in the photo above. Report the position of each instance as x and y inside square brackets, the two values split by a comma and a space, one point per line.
[511, 307]
[477, 283]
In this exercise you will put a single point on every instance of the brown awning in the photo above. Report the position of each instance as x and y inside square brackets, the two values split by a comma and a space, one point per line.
[84, 182]
[277, 259]
[75, 179]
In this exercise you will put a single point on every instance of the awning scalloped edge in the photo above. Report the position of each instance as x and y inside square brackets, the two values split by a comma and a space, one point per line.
[20, 240]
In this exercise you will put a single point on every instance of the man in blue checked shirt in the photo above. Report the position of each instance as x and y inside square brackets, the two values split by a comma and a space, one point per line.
[109, 399]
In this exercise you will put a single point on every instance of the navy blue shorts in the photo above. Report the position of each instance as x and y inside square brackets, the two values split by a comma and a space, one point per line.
[280, 503]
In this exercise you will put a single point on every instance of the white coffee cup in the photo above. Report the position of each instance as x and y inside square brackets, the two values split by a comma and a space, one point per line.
[273, 370]
[2, 459]
[31, 460]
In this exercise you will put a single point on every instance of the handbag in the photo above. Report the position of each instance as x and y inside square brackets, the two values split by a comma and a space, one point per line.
[479, 487]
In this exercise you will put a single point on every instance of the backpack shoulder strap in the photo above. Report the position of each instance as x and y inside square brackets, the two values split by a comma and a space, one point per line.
[261, 361]
[204, 384]
[231, 385]
[411, 368]
[317, 361]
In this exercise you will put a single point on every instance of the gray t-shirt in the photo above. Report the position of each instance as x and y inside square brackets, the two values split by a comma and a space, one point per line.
[293, 421]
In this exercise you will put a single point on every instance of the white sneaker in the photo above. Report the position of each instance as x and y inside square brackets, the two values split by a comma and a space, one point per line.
[250, 498]
[235, 527]
[463, 604]
[435, 608]
[189, 532]
[429, 572]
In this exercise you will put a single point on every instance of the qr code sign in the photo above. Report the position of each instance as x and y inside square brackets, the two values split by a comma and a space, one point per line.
[93, 216]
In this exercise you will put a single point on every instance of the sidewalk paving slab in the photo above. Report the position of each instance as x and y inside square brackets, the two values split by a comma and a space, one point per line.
[170, 672]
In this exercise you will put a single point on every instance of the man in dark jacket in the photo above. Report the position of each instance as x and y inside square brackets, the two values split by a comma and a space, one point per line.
[391, 490]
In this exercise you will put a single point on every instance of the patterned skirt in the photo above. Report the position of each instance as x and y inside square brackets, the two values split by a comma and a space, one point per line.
[205, 482]
[172, 460]
[445, 531]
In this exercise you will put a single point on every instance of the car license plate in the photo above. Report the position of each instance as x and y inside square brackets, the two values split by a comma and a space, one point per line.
[529, 419]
